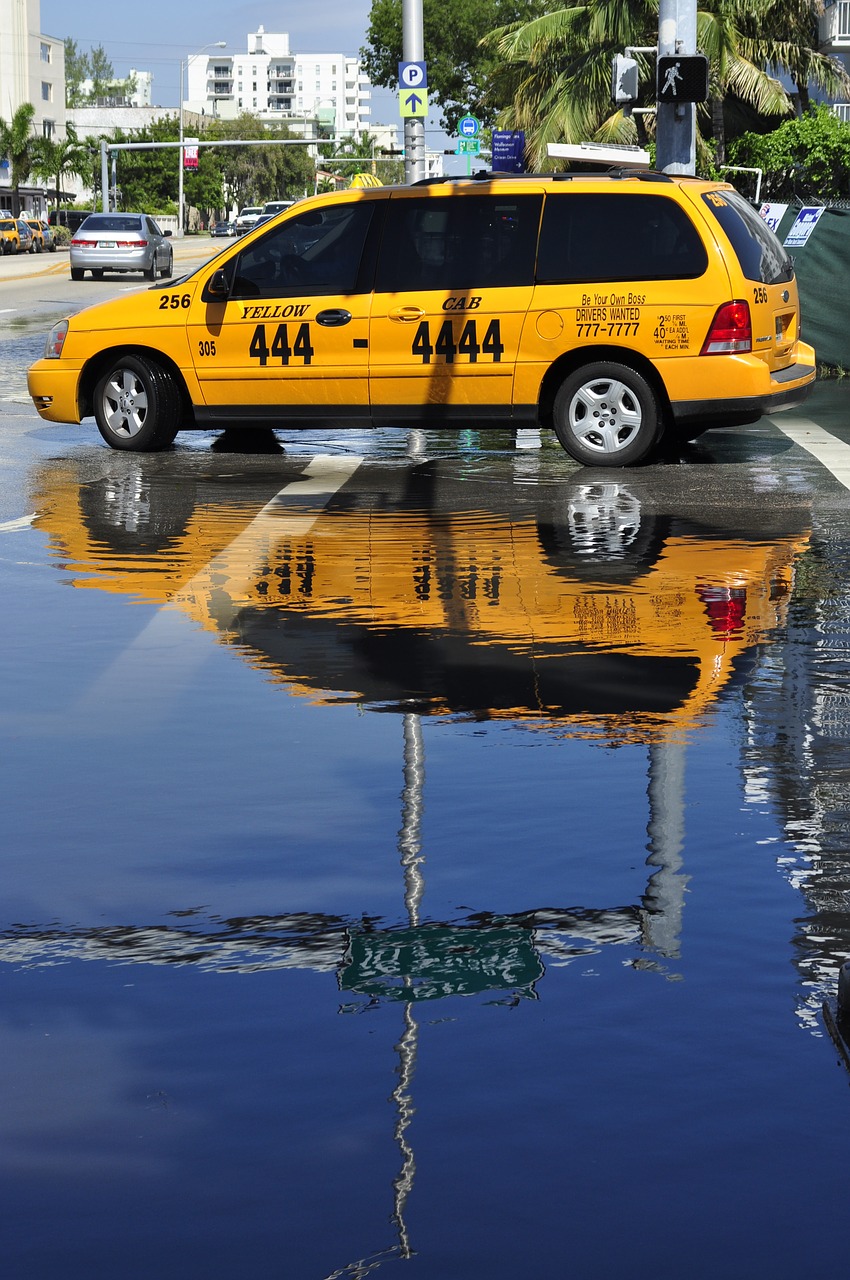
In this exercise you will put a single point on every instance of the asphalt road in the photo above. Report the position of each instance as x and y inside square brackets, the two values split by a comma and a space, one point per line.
[218, 839]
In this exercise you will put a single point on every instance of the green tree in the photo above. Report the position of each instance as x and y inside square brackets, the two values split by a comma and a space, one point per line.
[805, 159]
[556, 71]
[19, 145]
[77, 69]
[148, 180]
[460, 68]
[102, 73]
[355, 155]
[58, 159]
[252, 175]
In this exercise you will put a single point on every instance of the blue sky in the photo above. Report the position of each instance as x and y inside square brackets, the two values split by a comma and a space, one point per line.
[161, 34]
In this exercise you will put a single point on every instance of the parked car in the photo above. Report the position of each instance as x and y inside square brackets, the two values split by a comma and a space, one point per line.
[47, 236]
[247, 218]
[223, 229]
[37, 230]
[10, 238]
[121, 242]
[25, 235]
[615, 309]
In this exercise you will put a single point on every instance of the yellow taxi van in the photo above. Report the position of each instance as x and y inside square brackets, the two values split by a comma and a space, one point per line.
[613, 308]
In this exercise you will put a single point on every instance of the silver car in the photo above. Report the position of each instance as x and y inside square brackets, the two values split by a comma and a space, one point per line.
[121, 242]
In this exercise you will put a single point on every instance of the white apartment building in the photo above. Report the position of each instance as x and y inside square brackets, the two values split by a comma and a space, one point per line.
[307, 91]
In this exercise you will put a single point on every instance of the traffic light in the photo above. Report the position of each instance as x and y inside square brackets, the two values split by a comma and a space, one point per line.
[682, 79]
[624, 80]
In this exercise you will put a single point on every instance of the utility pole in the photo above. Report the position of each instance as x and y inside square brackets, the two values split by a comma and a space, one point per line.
[413, 46]
[676, 121]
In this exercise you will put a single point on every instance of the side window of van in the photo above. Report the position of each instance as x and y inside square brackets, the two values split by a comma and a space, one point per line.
[617, 237]
[457, 243]
[760, 253]
[317, 252]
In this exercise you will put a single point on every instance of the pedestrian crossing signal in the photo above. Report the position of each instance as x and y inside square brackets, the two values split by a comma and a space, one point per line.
[624, 80]
[682, 79]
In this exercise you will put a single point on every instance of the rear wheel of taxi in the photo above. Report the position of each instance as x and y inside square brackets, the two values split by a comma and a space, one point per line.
[607, 415]
[137, 405]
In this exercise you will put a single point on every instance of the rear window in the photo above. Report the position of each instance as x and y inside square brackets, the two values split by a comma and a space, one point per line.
[621, 236]
[111, 222]
[758, 250]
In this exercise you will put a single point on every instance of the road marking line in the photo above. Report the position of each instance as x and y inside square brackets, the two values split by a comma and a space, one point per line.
[827, 449]
[12, 526]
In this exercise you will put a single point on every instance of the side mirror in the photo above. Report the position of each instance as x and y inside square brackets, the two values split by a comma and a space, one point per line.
[167, 233]
[217, 287]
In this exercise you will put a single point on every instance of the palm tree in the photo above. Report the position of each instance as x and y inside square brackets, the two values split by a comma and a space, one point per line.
[19, 145]
[66, 158]
[557, 69]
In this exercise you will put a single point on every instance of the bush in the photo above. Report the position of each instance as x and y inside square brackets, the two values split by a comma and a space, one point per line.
[61, 236]
[804, 159]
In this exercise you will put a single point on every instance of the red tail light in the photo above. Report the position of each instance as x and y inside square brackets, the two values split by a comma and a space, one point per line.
[726, 608]
[731, 330]
[131, 244]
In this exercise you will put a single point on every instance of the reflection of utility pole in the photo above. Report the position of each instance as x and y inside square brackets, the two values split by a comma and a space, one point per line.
[403, 1182]
[409, 844]
[665, 894]
[410, 835]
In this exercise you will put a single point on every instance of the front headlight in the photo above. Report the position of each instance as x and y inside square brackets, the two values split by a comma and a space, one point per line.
[56, 340]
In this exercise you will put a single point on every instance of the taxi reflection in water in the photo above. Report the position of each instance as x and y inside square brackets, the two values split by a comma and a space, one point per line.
[575, 606]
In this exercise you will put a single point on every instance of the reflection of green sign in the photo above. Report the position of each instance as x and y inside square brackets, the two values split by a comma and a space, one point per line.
[436, 960]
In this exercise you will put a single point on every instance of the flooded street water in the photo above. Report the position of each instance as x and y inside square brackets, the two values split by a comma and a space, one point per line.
[422, 863]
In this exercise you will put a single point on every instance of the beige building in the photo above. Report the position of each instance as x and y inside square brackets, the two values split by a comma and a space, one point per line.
[32, 69]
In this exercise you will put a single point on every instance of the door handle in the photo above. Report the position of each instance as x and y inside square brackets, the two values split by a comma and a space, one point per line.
[406, 313]
[333, 318]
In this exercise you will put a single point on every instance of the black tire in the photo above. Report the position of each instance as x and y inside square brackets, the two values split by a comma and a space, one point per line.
[53, 247]
[607, 415]
[77, 273]
[137, 405]
[97, 274]
[150, 272]
[168, 270]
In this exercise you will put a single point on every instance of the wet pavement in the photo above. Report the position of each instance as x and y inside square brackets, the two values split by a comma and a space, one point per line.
[423, 856]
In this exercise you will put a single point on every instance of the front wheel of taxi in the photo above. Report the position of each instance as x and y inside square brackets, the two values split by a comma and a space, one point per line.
[137, 405]
[607, 415]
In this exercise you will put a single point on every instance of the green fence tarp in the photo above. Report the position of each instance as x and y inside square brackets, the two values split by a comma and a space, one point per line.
[823, 278]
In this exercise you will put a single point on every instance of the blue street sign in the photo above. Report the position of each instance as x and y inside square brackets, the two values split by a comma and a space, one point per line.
[412, 75]
[508, 151]
[468, 127]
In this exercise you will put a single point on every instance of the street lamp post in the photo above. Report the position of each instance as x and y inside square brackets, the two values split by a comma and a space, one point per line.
[216, 44]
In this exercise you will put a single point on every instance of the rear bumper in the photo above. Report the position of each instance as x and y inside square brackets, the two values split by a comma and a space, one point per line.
[786, 389]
